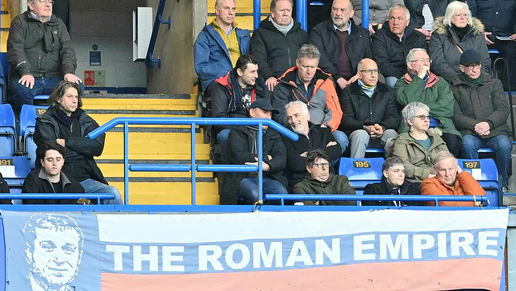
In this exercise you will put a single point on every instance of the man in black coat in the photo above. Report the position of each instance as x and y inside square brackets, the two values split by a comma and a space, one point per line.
[393, 183]
[50, 178]
[392, 43]
[342, 43]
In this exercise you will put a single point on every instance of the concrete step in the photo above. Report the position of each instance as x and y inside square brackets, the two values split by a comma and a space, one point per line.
[145, 150]
[115, 168]
[103, 116]
[138, 104]
[149, 139]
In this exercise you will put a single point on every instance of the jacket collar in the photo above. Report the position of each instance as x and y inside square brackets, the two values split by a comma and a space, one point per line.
[487, 79]
[289, 77]
[409, 30]
[441, 28]
[355, 88]
[43, 175]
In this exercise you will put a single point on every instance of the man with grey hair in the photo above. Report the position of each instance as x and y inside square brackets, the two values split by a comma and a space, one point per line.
[310, 85]
[276, 41]
[393, 41]
[342, 43]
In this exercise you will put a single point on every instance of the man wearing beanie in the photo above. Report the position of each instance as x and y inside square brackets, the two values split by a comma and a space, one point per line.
[481, 112]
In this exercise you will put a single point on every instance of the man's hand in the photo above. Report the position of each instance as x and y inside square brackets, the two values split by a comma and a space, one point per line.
[513, 36]
[27, 81]
[426, 33]
[353, 79]
[371, 30]
[72, 78]
[331, 143]
[459, 169]
[422, 71]
[61, 142]
[488, 41]
[265, 166]
[342, 82]
[431, 175]
[271, 83]
[304, 154]
[482, 128]
[378, 130]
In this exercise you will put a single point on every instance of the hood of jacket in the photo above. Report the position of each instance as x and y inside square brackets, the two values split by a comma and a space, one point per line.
[441, 28]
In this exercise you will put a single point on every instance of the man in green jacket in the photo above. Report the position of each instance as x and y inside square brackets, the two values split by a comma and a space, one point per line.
[320, 181]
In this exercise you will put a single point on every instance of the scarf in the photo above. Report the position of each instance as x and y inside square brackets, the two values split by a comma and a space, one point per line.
[472, 82]
[282, 29]
[368, 90]
[68, 120]
[460, 31]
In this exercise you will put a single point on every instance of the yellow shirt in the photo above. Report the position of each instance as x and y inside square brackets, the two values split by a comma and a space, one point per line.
[230, 40]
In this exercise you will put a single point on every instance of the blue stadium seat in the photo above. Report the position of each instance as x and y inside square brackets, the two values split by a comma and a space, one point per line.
[7, 130]
[5, 75]
[361, 172]
[486, 173]
[28, 116]
[14, 170]
[41, 97]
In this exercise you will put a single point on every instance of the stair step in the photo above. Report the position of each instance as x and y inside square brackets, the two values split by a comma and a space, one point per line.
[6, 20]
[117, 170]
[102, 116]
[140, 104]
[145, 150]
[149, 139]
[242, 7]
[137, 96]
[3, 38]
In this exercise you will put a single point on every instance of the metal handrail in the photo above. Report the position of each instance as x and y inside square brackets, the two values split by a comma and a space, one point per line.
[192, 121]
[149, 60]
[42, 196]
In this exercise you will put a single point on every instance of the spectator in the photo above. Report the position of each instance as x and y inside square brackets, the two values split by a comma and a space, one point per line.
[276, 42]
[233, 94]
[311, 137]
[50, 178]
[307, 83]
[320, 181]
[4, 188]
[423, 13]
[219, 45]
[421, 85]
[453, 34]
[342, 43]
[393, 183]
[378, 12]
[481, 113]
[392, 43]
[68, 125]
[243, 150]
[450, 179]
[370, 111]
[40, 52]
[499, 19]
[418, 147]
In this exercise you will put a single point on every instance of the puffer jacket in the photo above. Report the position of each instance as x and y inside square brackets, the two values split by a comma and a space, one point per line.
[444, 52]
[465, 185]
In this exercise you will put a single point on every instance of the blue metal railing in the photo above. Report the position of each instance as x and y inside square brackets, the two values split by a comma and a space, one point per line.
[193, 167]
[149, 60]
[42, 196]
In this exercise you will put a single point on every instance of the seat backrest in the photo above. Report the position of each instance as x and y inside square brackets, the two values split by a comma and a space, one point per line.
[7, 116]
[7, 130]
[486, 173]
[28, 116]
[14, 169]
[361, 172]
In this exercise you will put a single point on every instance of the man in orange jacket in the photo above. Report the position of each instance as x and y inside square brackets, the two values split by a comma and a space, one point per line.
[450, 179]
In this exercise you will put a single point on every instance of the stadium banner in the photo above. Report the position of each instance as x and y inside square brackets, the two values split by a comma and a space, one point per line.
[364, 250]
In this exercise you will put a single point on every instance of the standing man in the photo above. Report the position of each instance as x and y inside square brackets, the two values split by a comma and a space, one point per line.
[370, 111]
[219, 45]
[342, 43]
[392, 43]
[276, 42]
[40, 52]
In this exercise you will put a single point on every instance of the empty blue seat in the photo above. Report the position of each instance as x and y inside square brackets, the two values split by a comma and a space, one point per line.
[361, 172]
[486, 173]
[7, 130]
[28, 116]
[14, 170]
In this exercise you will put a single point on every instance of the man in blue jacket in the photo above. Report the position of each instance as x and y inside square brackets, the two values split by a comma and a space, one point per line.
[219, 45]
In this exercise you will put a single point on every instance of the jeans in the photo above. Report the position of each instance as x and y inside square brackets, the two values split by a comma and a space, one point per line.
[360, 139]
[391, 81]
[500, 144]
[341, 138]
[222, 138]
[21, 94]
[249, 189]
[93, 186]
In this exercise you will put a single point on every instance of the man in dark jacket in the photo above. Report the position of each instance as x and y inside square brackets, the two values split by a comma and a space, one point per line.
[370, 111]
[423, 13]
[49, 178]
[392, 43]
[342, 43]
[320, 181]
[481, 112]
[243, 150]
[40, 52]
[393, 183]
[68, 125]
[276, 42]
[311, 137]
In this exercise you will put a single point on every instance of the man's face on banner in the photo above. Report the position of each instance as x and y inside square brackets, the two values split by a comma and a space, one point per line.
[56, 256]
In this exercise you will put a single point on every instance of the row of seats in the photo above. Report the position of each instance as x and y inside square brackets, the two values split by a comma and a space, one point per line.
[361, 172]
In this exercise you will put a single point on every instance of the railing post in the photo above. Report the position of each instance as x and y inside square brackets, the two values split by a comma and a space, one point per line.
[193, 166]
[259, 151]
[301, 13]
[365, 14]
[257, 13]
[126, 163]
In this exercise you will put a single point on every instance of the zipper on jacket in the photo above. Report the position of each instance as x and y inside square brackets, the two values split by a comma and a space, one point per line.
[39, 62]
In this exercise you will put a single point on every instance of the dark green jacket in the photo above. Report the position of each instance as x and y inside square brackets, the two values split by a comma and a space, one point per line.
[40, 49]
[336, 184]
[484, 102]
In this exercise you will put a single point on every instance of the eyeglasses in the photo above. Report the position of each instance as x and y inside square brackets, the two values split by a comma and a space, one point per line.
[422, 60]
[472, 66]
[322, 165]
[369, 72]
[423, 117]
[461, 14]
[51, 2]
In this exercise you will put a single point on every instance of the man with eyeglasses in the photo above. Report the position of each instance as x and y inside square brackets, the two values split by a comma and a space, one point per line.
[40, 52]
[481, 113]
[421, 85]
[320, 181]
[370, 111]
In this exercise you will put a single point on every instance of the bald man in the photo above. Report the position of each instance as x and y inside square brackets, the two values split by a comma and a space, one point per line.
[371, 116]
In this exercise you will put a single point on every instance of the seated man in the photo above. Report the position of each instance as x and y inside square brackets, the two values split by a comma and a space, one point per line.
[393, 183]
[481, 113]
[370, 111]
[342, 43]
[308, 84]
[40, 52]
[233, 93]
[450, 179]
[243, 146]
[50, 178]
[391, 44]
[421, 85]
[311, 137]
[320, 181]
